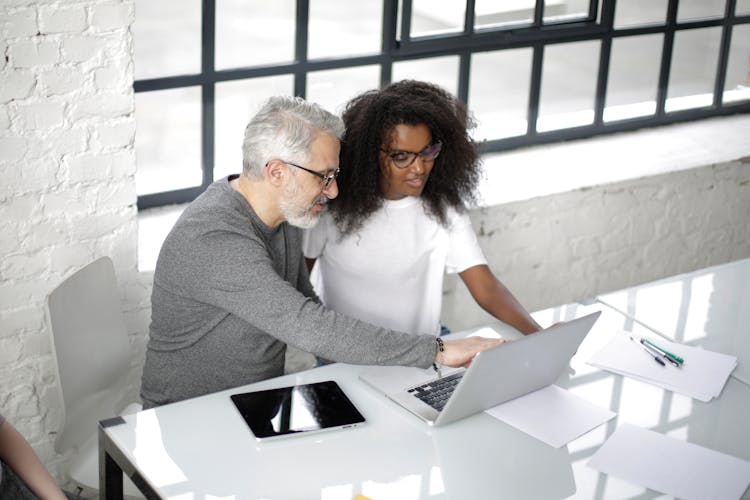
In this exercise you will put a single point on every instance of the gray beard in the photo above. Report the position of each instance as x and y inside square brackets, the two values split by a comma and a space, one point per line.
[296, 213]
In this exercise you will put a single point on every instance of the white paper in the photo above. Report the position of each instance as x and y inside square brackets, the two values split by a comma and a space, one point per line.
[702, 376]
[573, 416]
[668, 465]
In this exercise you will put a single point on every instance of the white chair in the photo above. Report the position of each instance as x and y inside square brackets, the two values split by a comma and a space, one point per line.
[93, 362]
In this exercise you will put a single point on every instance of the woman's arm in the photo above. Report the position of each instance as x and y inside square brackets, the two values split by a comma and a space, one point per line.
[497, 300]
[17, 454]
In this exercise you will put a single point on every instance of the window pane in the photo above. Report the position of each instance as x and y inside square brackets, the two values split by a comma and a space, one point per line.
[168, 140]
[167, 48]
[742, 8]
[491, 13]
[344, 28]
[500, 105]
[565, 10]
[633, 77]
[254, 32]
[432, 17]
[332, 89]
[689, 10]
[691, 77]
[236, 103]
[568, 89]
[737, 83]
[442, 71]
[640, 12]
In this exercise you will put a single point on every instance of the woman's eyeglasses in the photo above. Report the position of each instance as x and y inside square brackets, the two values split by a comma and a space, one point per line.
[404, 159]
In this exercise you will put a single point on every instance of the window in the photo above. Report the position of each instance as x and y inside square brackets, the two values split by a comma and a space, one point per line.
[532, 71]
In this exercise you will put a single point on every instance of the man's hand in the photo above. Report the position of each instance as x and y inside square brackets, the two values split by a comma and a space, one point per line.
[460, 352]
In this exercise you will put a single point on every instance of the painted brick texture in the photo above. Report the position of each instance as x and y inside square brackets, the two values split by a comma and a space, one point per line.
[565, 247]
[68, 192]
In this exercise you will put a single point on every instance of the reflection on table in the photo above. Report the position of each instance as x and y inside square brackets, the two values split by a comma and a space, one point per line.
[708, 308]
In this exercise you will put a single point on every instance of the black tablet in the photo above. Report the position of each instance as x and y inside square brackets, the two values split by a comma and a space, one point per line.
[298, 409]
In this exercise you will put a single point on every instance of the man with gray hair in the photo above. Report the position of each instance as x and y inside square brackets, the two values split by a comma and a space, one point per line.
[231, 288]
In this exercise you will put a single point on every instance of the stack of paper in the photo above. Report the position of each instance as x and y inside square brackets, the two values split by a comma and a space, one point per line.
[574, 416]
[702, 375]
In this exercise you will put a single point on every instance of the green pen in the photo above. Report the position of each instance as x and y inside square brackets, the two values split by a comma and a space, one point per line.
[668, 354]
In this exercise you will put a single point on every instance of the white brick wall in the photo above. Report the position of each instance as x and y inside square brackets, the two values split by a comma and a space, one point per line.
[565, 247]
[68, 191]
[57, 19]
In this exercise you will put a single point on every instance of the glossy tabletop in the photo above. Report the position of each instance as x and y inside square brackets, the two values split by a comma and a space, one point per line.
[708, 308]
[201, 448]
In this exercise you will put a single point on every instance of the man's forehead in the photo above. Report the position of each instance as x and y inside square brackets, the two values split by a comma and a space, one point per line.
[325, 138]
[326, 146]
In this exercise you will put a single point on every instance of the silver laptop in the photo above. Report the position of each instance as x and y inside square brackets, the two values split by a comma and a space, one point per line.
[495, 376]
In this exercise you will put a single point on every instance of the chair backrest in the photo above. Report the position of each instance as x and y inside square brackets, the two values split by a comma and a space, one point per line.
[92, 350]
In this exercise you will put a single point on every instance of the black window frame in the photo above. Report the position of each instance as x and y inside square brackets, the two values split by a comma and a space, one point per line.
[398, 45]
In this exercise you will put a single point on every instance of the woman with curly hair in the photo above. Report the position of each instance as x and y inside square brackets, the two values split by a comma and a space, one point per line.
[409, 172]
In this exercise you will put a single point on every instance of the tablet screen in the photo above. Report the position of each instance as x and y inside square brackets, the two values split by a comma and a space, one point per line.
[297, 409]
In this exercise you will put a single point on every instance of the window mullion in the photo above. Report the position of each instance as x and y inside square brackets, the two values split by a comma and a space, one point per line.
[469, 17]
[389, 44]
[535, 88]
[608, 21]
[406, 11]
[208, 44]
[726, 43]
[300, 47]
[666, 58]
[539, 13]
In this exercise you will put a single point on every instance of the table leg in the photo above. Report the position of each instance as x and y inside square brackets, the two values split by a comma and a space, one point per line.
[110, 472]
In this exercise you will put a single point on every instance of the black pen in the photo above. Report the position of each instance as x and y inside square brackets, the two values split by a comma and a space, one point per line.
[656, 357]
[646, 348]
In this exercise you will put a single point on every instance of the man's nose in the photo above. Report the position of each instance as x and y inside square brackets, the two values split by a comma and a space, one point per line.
[332, 190]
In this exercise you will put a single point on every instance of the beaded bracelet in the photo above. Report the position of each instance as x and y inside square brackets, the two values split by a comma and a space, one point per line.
[441, 354]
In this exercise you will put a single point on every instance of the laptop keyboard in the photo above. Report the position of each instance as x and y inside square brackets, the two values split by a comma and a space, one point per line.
[437, 392]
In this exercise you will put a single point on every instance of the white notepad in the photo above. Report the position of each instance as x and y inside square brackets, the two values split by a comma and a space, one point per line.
[574, 416]
[702, 375]
[665, 464]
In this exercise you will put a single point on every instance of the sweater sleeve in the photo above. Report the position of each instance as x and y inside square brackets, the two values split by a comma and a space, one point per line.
[240, 278]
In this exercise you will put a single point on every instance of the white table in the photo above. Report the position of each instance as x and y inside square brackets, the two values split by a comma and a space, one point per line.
[709, 308]
[202, 449]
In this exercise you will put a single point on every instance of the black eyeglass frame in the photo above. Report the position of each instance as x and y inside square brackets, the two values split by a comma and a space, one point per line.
[327, 178]
[393, 154]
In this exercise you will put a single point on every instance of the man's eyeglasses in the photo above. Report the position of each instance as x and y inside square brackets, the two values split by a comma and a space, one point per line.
[327, 178]
[404, 159]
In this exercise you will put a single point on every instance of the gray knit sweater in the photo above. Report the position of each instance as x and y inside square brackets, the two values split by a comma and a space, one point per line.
[230, 293]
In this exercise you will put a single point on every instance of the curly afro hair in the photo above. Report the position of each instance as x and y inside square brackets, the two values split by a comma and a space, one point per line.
[370, 119]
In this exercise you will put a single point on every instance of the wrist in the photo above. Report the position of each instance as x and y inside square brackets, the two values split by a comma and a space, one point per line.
[439, 353]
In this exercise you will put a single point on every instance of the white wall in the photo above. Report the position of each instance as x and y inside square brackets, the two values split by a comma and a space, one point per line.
[565, 247]
[67, 194]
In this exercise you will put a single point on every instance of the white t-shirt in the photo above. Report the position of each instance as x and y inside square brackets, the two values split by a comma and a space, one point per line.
[390, 273]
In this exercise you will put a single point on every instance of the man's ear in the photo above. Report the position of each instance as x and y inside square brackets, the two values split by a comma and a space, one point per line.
[276, 172]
